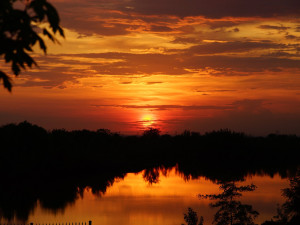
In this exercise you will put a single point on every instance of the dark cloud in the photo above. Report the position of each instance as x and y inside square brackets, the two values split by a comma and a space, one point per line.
[220, 24]
[126, 82]
[213, 8]
[233, 46]
[292, 37]
[156, 28]
[167, 107]
[54, 77]
[90, 27]
[279, 54]
[216, 90]
[49, 76]
[241, 64]
[93, 17]
[150, 64]
[178, 64]
[120, 17]
[191, 60]
[186, 40]
[155, 82]
[272, 27]
[155, 19]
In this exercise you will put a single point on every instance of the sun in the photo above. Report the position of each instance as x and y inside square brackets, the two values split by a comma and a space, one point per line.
[147, 120]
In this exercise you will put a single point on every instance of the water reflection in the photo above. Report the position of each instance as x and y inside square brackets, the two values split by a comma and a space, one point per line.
[230, 210]
[191, 218]
[19, 198]
[132, 201]
[289, 212]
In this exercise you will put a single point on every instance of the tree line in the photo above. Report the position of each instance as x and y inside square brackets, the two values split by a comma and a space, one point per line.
[55, 166]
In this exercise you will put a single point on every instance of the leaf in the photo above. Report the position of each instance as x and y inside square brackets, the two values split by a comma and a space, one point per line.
[6, 81]
[52, 16]
[16, 69]
[28, 48]
[28, 60]
[8, 56]
[42, 43]
[22, 27]
[37, 7]
[46, 32]
[61, 32]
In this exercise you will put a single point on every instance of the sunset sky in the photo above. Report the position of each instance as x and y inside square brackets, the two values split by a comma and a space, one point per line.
[200, 65]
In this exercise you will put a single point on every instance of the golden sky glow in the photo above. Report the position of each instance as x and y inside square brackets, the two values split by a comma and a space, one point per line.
[200, 65]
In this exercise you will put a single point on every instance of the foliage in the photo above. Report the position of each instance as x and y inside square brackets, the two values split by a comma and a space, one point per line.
[230, 210]
[292, 205]
[151, 175]
[279, 219]
[281, 216]
[191, 218]
[151, 132]
[20, 25]
[289, 212]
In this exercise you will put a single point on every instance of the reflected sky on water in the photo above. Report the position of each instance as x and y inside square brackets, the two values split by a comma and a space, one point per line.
[133, 201]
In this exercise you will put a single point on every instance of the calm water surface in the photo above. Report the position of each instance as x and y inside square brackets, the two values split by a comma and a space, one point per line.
[133, 201]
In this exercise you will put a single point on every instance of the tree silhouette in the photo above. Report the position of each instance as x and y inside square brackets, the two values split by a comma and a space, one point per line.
[289, 212]
[151, 132]
[231, 211]
[292, 205]
[191, 218]
[20, 22]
